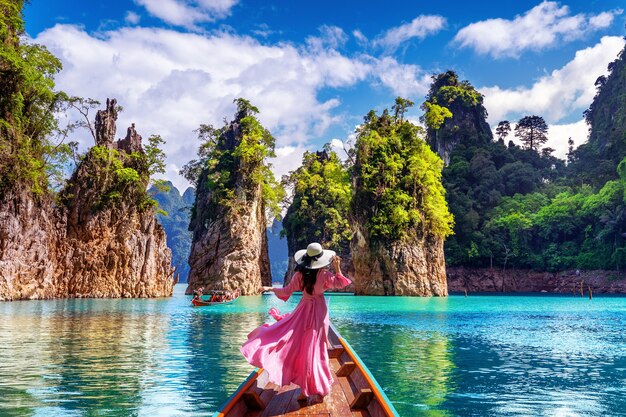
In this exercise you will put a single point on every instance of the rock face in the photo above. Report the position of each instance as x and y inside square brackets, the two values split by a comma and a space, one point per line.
[229, 246]
[415, 267]
[516, 280]
[85, 247]
[28, 247]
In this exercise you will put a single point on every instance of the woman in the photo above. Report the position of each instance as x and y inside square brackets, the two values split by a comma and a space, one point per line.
[293, 350]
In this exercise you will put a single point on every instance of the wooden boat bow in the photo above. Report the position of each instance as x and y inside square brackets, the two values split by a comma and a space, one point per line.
[354, 393]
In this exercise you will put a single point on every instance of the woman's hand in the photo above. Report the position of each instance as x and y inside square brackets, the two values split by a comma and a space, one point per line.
[264, 289]
[336, 263]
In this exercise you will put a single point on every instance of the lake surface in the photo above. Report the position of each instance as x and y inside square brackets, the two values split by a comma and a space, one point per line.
[476, 356]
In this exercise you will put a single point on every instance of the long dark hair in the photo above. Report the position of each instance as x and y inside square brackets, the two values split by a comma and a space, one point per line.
[309, 276]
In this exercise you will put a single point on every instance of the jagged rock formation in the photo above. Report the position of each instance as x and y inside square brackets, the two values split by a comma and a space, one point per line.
[229, 245]
[100, 242]
[28, 246]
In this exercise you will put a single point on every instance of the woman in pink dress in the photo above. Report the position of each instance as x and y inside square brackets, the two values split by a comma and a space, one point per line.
[294, 349]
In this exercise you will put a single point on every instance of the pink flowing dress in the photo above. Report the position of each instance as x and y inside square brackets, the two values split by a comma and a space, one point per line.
[293, 350]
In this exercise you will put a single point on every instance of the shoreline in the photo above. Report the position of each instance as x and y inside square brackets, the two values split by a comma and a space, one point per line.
[495, 280]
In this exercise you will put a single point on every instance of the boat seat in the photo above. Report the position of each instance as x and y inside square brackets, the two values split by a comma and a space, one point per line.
[346, 368]
[362, 399]
[335, 351]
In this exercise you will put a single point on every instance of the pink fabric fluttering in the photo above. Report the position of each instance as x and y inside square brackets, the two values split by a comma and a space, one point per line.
[293, 350]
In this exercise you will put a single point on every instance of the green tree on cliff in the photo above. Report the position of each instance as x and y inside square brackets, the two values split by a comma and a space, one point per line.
[503, 130]
[321, 199]
[28, 105]
[398, 190]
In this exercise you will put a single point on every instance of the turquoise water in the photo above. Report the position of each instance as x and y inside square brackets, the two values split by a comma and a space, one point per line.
[456, 356]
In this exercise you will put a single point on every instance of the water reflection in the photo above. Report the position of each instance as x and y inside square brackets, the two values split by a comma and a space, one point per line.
[412, 367]
[72, 357]
[216, 368]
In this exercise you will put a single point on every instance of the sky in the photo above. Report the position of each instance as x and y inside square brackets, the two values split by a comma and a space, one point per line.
[314, 69]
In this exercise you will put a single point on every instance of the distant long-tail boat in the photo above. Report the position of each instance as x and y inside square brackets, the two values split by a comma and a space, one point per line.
[203, 303]
[354, 392]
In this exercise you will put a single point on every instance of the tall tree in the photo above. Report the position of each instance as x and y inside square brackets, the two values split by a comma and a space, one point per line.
[532, 130]
[503, 130]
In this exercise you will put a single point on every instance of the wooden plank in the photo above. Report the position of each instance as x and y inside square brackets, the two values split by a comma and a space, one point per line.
[362, 399]
[280, 402]
[346, 369]
[293, 405]
[376, 410]
[238, 409]
[348, 388]
[336, 401]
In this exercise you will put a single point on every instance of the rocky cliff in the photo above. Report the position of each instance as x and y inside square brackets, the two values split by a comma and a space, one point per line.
[114, 245]
[103, 240]
[229, 244]
[516, 280]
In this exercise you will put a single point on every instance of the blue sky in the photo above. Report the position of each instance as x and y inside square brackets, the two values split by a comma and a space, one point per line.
[315, 68]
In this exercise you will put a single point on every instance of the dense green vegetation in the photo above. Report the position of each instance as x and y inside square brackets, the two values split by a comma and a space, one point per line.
[29, 131]
[106, 177]
[319, 207]
[398, 192]
[522, 207]
[481, 171]
[233, 162]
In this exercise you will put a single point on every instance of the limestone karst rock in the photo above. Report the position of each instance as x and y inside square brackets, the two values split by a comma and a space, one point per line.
[101, 241]
[229, 245]
[398, 212]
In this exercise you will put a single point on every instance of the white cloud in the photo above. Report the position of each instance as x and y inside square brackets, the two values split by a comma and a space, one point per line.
[359, 36]
[405, 80]
[132, 17]
[543, 26]
[170, 82]
[188, 13]
[558, 136]
[560, 93]
[330, 37]
[420, 27]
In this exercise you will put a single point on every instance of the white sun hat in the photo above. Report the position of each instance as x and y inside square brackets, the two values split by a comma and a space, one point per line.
[318, 256]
